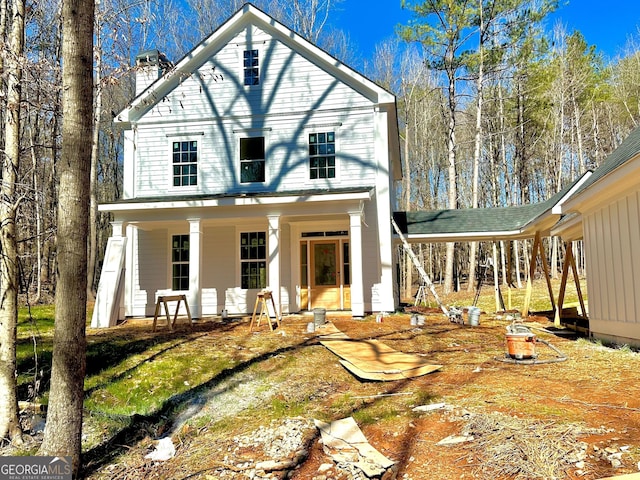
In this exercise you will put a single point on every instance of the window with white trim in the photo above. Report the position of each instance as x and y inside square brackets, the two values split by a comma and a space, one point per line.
[253, 260]
[252, 161]
[322, 155]
[184, 157]
[251, 65]
[180, 262]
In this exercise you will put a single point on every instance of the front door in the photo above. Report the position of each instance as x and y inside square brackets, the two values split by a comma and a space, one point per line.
[325, 274]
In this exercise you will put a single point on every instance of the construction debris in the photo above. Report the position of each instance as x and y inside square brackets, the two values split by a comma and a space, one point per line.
[345, 443]
[163, 452]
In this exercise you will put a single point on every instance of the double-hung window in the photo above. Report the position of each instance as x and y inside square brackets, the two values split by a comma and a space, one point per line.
[322, 155]
[252, 159]
[180, 262]
[253, 260]
[185, 163]
[251, 65]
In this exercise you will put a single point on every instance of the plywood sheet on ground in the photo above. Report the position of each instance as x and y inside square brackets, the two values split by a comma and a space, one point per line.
[373, 360]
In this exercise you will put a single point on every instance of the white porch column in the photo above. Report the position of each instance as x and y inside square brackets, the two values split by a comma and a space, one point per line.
[357, 287]
[194, 296]
[273, 243]
[117, 229]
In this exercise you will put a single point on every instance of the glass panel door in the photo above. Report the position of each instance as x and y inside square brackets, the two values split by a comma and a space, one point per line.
[325, 274]
[325, 264]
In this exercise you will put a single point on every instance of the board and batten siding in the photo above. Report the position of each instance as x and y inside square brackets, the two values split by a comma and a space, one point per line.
[612, 237]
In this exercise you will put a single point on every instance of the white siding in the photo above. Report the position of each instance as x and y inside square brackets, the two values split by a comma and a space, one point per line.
[289, 83]
[298, 94]
[219, 262]
[152, 270]
[295, 97]
[612, 236]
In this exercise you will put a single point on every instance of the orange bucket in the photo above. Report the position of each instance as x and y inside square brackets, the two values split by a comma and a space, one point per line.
[521, 345]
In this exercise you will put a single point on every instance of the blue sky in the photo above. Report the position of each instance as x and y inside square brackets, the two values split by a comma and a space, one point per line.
[606, 24]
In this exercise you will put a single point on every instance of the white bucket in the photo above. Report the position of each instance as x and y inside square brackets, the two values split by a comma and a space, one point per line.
[473, 316]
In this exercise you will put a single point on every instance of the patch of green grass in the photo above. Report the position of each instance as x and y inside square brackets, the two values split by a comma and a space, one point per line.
[38, 319]
[343, 405]
[282, 408]
[142, 385]
[423, 397]
[376, 412]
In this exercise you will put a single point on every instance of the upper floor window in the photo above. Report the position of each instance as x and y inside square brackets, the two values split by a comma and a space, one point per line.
[185, 163]
[252, 159]
[253, 259]
[322, 155]
[251, 67]
[180, 262]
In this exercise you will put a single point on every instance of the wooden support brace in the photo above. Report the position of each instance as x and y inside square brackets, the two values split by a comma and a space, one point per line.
[563, 285]
[532, 271]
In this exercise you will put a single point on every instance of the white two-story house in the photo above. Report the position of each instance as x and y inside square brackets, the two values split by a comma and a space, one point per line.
[257, 161]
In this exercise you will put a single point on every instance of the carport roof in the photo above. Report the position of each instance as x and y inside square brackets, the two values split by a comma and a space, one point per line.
[472, 224]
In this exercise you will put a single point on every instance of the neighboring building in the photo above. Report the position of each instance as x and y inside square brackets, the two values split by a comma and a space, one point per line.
[605, 213]
[256, 161]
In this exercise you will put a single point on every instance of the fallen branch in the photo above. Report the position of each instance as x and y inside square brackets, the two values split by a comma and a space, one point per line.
[598, 405]
[384, 395]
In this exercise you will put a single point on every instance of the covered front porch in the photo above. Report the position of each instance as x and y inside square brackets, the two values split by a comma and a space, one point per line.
[221, 252]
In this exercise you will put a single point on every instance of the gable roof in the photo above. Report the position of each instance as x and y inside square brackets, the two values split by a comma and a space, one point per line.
[628, 149]
[248, 14]
[472, 224]
[618, 173]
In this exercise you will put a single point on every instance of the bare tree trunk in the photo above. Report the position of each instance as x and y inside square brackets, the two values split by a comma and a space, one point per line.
[93, 205]
[503, 263]
[9, 271]
[578, 124]
[595, 135]
[408, 267]
[473, 246]
[516, 260]
[63, 432]
[453, 192]
[526, 256]
[38, 219]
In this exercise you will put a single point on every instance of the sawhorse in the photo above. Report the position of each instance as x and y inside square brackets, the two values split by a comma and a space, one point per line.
[162, 300]
[261, 299]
